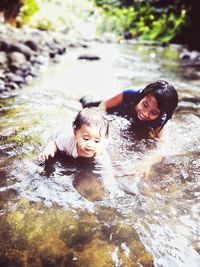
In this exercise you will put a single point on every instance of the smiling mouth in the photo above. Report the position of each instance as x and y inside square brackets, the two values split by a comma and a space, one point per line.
[141, 117]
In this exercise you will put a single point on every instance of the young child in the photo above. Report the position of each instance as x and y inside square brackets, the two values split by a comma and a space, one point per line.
[148, 109]
[85, 139]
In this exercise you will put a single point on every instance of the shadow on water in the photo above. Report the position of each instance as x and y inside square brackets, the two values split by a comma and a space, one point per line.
[73, 212]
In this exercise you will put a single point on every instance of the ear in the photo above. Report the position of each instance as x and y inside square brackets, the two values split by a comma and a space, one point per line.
[74, 130]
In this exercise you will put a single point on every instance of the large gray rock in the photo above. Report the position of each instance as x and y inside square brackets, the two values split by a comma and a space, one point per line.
[3, 59]
[17, 59]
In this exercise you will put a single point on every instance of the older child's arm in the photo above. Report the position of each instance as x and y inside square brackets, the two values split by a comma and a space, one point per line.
[164, 147]
[111, 102]
[49, 151]
[156, 133]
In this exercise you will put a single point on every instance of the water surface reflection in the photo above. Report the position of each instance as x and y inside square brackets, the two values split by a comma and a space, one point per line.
[137, 212]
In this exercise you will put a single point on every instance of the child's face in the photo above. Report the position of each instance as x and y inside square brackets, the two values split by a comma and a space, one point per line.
[147, 109]
[89, 141]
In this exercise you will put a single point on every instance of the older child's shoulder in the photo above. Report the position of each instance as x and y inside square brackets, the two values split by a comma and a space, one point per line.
[131, 92]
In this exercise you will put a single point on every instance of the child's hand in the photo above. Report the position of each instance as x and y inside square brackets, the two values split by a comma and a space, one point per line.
[45, 156]
[49, 151]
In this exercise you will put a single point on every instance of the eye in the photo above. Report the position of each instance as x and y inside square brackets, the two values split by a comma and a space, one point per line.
[145, 104]
[155, 113]
[97, 141]
[85, 138]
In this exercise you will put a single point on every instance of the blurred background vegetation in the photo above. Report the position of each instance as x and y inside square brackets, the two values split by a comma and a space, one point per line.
[149, 20]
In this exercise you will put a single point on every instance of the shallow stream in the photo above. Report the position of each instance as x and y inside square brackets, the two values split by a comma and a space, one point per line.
[141, 210]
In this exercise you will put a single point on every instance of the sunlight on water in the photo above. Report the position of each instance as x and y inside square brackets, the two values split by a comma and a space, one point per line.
[141, 210]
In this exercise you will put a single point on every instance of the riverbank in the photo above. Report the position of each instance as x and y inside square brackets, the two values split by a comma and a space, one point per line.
[24, 53]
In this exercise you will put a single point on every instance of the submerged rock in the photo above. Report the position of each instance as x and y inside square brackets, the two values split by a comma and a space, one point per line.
[88, 57]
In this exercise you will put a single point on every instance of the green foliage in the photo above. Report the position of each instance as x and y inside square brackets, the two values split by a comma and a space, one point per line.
[116, 20]
[164, 28]
[148, 20]
[29, 7]
[56, 15]
[154, 20]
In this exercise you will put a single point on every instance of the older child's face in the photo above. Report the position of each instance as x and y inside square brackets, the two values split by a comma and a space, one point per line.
[89, 141]
[147, 109]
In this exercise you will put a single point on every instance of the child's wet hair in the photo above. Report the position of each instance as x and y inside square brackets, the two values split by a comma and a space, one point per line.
[92, 117]
[165, 94]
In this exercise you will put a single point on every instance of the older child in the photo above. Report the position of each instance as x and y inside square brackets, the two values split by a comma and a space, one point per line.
[148, 109]
[86, 138]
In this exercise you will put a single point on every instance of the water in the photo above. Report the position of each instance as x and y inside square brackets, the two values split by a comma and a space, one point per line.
[141, 211]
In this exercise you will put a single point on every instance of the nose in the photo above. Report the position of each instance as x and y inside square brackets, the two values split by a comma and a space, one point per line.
[89, 144]
[146, 113]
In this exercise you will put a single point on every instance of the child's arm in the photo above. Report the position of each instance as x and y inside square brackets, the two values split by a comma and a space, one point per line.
[164, 147]
[49, 151]
[111, 102]
[156, 133]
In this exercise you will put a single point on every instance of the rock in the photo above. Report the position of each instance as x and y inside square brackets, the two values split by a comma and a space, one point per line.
[17, 59]
[32, 44]
[88, 57]
[11, 85]
[109, 37]
[185, 56]
[2, 74]
[2, 85]
[3, 58]
[26, 52]
[4, 45]
[22, 48]
[39, 60]
[28, 79]
[31, 72]
[11, 77]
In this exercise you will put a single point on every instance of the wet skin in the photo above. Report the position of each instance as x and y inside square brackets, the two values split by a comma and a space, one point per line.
[89, 141]
[147, 109]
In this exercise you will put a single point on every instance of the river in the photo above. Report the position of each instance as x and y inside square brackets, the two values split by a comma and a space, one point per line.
[138, 212]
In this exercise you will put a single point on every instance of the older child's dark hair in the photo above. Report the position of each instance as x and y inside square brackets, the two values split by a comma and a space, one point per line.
[165, 94]
[92, 117]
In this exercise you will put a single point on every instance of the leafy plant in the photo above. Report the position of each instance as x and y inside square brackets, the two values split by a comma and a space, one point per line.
[57, 15]
[148, 20]
[28, 9]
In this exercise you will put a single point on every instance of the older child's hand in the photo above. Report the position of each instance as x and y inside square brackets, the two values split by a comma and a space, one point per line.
[49, 151]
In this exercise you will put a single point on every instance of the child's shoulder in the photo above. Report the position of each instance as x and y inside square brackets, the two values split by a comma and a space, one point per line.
[131, 91]
[63, 137]
[66, 131]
